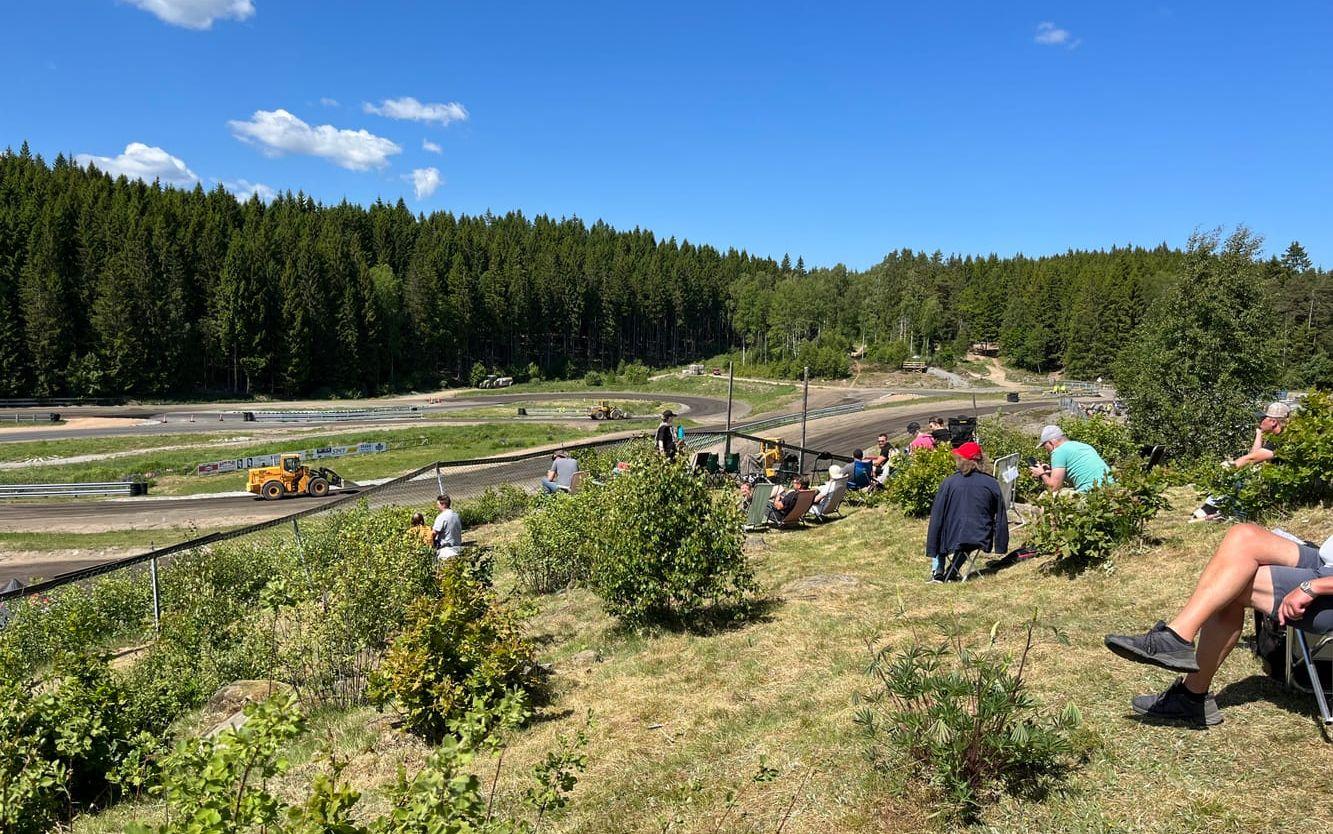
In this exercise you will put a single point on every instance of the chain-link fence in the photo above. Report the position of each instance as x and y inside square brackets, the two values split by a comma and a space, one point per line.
[462, 480]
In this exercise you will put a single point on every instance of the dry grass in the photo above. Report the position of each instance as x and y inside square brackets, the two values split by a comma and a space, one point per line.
[683, 719]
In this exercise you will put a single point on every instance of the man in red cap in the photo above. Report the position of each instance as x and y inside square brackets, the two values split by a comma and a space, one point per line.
[968, 515]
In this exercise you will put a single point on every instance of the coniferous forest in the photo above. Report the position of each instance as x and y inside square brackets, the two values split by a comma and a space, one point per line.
[121, 287]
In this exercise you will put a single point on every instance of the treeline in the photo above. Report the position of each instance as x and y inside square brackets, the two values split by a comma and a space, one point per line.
[1077, 311]
[120, 287]
[116, 286]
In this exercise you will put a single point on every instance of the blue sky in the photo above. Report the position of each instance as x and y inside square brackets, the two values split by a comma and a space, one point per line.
[836, 132]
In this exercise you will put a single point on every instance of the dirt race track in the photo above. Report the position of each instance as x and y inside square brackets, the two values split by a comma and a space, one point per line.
[839, 434]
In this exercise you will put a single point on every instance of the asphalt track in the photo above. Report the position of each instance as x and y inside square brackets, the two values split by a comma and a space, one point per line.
[839, 434]
[146, 422]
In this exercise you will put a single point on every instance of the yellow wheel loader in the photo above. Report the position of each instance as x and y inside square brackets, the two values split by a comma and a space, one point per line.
[291, 477]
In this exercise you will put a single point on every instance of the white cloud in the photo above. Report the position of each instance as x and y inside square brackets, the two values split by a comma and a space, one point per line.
[196, 14]
[1048, 34]
[278, 132]
[329, 102]
[143, 162]
[244, 190]
[414, 111]
[424, 181]
[427, 145]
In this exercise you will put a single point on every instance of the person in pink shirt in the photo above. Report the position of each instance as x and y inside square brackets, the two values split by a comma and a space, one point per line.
[920, 439]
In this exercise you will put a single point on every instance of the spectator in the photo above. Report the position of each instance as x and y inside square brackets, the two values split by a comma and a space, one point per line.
[561, 474]
[666, 436]
[920, 439]
[968, 515]
[836, 477]
[1272, 422]
[785, 500]
[421, 531]
[939, 430]
[863, 472]
[1078, 462]
[746, 494]
[448, 529]
[1252, 568]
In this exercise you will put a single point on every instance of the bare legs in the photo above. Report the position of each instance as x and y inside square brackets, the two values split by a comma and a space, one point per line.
[1236, 578]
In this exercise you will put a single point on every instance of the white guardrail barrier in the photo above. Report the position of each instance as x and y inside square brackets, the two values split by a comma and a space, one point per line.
[61, 490]
[334, 415]
[218, 467]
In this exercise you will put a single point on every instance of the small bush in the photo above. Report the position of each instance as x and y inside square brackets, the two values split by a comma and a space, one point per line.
[1110, 437]
[1298, 476]
[958, 721]
[75, 618]
[555, 550]
[1085, 530]
[222, 785]
[593, 379]
[666, 546]
[496, 504]
[913, 486]
[76, 740]
[635, 373]
[459, 650]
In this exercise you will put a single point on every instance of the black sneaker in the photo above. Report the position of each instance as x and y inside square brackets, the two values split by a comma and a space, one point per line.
[1159, 647]
[1179, 704]
[935, 579]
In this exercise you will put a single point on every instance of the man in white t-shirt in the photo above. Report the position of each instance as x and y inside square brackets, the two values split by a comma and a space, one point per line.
[448, 529]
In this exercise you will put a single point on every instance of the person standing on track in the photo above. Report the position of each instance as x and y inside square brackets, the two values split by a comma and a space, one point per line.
[666, 436]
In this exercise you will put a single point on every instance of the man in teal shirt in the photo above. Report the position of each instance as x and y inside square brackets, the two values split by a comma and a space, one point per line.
[1071, 461]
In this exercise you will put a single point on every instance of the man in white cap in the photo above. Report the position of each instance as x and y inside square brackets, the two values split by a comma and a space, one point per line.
[1071, 460]
[1272, 422]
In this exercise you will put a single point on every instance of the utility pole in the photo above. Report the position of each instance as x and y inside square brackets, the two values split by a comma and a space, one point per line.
[805, 409]
[731, 381]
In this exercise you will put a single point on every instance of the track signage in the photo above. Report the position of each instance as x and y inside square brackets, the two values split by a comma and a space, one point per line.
[218, 467]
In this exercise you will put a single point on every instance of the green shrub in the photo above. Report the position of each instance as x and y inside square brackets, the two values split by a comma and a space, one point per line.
[958, 720]
[459, 650]
[221, 785]
[913, 486]
[1300, 474]
[75, 618]
[555, 548]
[666, 546]
[593, 379]
[1110, 437]
[495, 504]
[635, 373]
[477, 375]
[74, 740]
[1084, 530]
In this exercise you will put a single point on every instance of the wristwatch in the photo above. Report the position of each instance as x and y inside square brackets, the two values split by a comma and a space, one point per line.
[1308, 588]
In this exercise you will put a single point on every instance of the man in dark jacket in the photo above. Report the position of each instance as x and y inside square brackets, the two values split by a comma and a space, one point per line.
[666, 436]
[968, 515]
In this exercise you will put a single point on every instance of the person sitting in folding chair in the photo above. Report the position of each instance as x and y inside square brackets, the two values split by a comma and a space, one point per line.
[968, 516]
[1251, 568]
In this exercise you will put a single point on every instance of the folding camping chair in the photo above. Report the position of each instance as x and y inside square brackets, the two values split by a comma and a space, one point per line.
[758, 517]
[795, 517]
[1006, 472]
[832, 503]
[965, 557]
[1298, 640]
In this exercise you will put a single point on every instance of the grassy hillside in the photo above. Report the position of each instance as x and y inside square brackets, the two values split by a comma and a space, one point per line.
[682, 720]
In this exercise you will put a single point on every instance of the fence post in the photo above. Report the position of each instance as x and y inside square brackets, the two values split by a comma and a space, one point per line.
[805, 409]
[157, 599]
[439, 480]
[731, 381]
[296, 528]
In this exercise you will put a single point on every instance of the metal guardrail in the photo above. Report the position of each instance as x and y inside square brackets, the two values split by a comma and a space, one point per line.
[795, 417]
[132, 488]
[334, 415]
[31, 417]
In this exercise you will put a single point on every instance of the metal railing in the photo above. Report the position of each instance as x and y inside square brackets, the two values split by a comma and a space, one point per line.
[30, 417]
[335, 415]
[112, 488]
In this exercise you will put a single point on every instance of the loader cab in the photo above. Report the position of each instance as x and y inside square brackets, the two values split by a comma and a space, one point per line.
[291, 464]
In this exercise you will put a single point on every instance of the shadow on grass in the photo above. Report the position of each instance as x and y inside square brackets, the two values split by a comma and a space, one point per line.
[1264, 688]
[718, 619]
